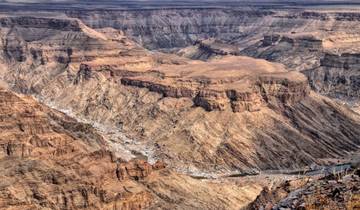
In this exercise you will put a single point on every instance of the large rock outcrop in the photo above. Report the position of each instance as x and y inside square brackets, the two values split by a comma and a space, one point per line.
[226, 84]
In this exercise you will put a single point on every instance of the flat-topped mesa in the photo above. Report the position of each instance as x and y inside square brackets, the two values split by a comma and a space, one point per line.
[233, 83]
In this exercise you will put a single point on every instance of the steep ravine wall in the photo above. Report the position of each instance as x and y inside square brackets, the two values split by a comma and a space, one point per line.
[339, 75]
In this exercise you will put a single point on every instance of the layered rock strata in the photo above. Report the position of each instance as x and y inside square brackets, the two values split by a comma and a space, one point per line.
[340, 76]
[181, 27]
[227, 84]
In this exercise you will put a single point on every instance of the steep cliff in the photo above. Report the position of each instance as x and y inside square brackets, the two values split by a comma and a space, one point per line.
[330, 62]
[340, 76]
[169, 28]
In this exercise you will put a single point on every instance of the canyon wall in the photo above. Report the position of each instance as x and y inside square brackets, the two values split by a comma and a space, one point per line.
[169, 28]
[340, 76]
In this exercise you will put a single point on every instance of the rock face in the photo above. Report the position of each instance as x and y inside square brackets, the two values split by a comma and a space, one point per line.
[340, 76]
[296, 51]
[55, 43]
[330, 63]
[168, 28]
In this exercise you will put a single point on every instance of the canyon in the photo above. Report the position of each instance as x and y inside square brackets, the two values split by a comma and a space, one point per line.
[185, 108]
[51, 161]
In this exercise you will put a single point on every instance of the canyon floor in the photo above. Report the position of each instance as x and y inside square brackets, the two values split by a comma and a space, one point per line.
[179, 105]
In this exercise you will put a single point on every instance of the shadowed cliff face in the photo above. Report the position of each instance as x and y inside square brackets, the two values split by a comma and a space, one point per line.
[329, 63]
[340, 75]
